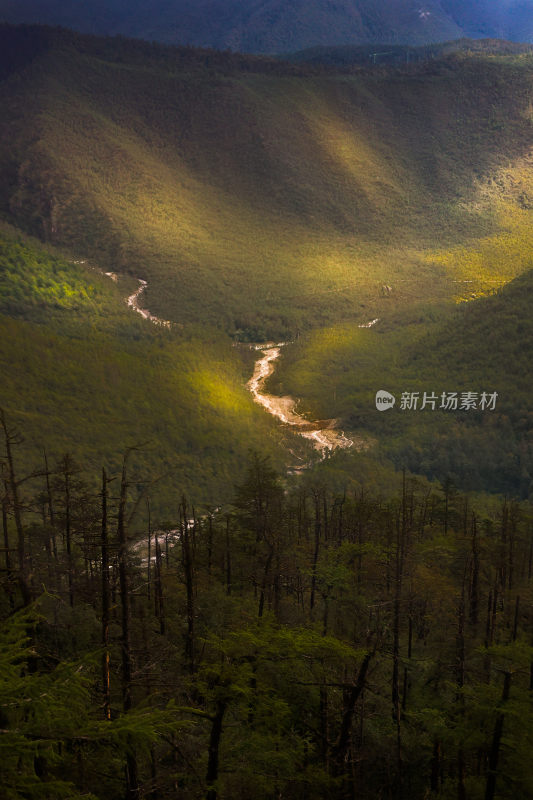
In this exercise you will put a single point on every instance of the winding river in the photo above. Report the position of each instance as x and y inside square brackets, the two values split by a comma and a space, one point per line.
[324, 434]
[133, 302]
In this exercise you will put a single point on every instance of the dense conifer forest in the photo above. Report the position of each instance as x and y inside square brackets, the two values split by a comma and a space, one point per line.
[297, 641]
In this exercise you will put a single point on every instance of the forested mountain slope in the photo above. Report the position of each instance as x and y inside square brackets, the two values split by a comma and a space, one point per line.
[254, 196]
[274, 26]
[482, 345]
[179, 617]
[82, 373]
[259, 200]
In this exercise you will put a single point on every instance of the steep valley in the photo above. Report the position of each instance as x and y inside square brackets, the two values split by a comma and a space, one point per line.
[260, 201]
[265, 419]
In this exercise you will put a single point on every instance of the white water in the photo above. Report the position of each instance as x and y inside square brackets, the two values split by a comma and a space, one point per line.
[133, 302]
[324, 436]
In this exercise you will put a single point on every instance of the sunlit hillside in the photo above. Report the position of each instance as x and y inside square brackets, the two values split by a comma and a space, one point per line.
[484, 345]
[82, 373]
[196, 601]
[259, 198]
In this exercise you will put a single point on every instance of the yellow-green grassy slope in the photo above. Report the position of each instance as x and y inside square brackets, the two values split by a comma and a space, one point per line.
[265, 201]
[484, 345]
[83, 373]
[260, 201]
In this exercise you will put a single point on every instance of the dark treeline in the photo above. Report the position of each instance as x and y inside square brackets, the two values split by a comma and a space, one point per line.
[296, 642]
[21, 44]
[344, 56]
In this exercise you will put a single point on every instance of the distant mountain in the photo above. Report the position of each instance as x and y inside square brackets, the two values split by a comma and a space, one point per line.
[503, 19]
[276, 26]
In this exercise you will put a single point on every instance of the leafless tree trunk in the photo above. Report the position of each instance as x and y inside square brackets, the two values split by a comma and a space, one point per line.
[106, 684]
[51, 510]
[7, 551]
[228, 557]
[214, 748]
[132, 782]
[460, 670]
[67, 475]
[149, 549]
[315, 553]
[10, 439]
[340, 748]
[188, 570]
[401, 536]
[494, 754]
[159, 599]
[474, 586]
[436, 767]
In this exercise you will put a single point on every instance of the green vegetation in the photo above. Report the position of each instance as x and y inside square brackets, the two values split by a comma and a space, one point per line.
[298, 641]
[260, 200]
[256, 197]
[82, 372]
[35, 283]
[395, 54]
[479, 346]
[349, 631]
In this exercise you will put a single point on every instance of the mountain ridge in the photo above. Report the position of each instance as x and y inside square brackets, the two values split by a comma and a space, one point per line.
[277, 26]
[171, 163]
